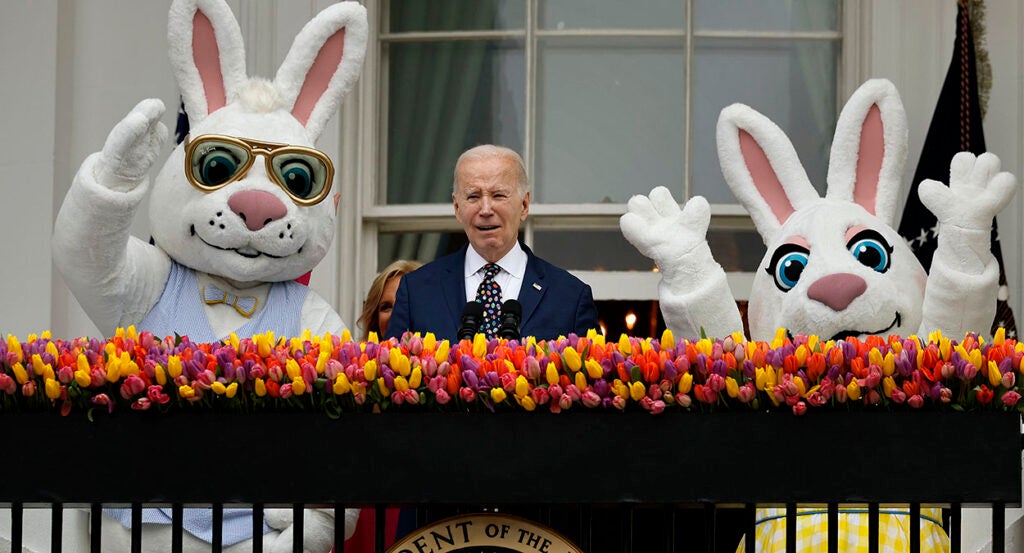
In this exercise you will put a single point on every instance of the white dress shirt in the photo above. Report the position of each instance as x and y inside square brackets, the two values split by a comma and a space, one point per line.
[510, 278]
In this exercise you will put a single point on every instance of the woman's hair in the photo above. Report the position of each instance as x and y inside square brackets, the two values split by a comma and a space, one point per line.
[368, 319]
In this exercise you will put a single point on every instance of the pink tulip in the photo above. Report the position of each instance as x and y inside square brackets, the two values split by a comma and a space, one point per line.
[684, 400]
[141, 404]
[1010, 398]
[442, 397]
[898, 395]
[540, 395]
[619, 403]
[915, 401]
[7, 384]
[286, 390]
[555, 391]
[591, 399]
[573, 392]
[1009, 379]
[799, 408]
[840, 393]
[28, 389]
[65, 375]
[565, 402]
[747, 392]
[467, 394]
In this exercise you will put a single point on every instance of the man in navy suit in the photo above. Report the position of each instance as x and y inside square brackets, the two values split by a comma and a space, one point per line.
[491, 197]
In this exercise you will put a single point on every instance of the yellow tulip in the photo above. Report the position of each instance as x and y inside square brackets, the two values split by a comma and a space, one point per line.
[294, 345]
[522, 386]
[645, 345]
[620, 389]
[888, 364]
[732, 387]
[37, 364]
[479, 346]
[346, 336]
[704, 345]
[801, 355]
[875, 357]
[341, 385]
[685, 383]
[852, 390]
[173, 366]
[291, 367]
[668, 340]
[637, 391]
[812, 342]
[128, 366]
[264, 344]
[298, 386]
[14, 346]
[417, 378]
[383, 387]
[83, 379]
[234, 342]
[131, 333]
[429, 342]
[995, 377]
[370, 370]
[572, 358]
[51, 348]
[800, 386]
[218, 388]
[119, 333]
[442, 352]
[399, 362]
[52, 389]
[780, 338]
[551, 374]
[186, 391]
[372, 337]
[401, 384]
[888, 385]
[321, 361]
[113, 369]
[260, 387]
[624, 347]
[527, 403]
[82, 363]
[580, 381]
[594, 370]
[232, 390]
[497, 394]
[945, 347]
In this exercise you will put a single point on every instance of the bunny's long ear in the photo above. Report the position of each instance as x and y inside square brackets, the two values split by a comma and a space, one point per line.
[869, 149]
[207, 54]
[762, 168]
[324, 61]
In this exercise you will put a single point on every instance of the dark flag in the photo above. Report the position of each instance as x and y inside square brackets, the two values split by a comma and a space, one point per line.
[955, 127]
[181, 128]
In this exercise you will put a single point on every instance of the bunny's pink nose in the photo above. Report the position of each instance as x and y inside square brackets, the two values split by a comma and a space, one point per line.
[257, 208]
[837, 291]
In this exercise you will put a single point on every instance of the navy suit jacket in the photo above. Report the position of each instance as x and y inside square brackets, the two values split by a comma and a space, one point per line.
[431, 299]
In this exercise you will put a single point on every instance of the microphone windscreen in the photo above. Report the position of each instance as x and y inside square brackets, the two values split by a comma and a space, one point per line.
[473, 309]
[512, 307]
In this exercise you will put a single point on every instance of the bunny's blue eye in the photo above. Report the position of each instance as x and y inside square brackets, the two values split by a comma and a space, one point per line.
[787, 265]
[215, 163]
[871, 250]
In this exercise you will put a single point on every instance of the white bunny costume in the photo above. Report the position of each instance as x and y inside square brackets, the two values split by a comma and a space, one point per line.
[233, 224]
[835, 266]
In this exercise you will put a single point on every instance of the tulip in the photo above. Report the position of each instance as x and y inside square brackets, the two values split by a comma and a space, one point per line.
[1010, 398]
[637, 391]
[564, 402]
[853, 390]
[186, 392]
[498, 395]
[442, 397]
[52, 388]
[286, 390]
[571, 358]
[218, 388]
[799, 408]
[260, 388]
[527, 403]
[467, 394]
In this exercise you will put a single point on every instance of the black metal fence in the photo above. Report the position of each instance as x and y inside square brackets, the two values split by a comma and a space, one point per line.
[622, 482]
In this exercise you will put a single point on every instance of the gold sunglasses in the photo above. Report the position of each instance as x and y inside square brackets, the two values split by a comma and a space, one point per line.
[213, 161]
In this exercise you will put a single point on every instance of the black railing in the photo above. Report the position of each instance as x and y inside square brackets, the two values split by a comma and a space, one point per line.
[607, 481]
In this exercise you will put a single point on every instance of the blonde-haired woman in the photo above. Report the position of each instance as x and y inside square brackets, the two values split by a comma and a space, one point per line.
[381, 297]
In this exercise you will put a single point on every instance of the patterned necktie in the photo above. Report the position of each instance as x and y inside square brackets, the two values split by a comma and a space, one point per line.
[245, 305]
[488, 294]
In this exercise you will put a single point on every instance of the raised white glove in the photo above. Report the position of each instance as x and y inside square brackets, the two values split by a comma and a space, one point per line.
[131, 147]
[676, 239]
[977, 192]
[317, 529]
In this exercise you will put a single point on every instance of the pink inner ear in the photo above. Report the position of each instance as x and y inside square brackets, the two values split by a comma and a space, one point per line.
[869, 160]
[765, 179]
[206, 56]
[319, 76]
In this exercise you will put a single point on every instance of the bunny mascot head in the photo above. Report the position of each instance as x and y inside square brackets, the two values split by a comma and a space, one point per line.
[241, 208]
[835, 265]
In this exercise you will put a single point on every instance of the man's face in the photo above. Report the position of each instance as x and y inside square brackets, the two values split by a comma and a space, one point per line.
[489, 205]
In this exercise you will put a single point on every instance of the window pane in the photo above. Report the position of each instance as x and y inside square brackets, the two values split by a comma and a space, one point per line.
[793, 83]
[589, 250]
[416, 246]
[456, 15]
[767, 15]
[579, 14]
[443, 98]
[610, 119]
[608, 250]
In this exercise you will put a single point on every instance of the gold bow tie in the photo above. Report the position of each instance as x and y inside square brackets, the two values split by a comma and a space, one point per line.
[245, 305]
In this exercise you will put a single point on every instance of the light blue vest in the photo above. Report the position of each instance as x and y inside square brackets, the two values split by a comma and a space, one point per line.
[180, 311]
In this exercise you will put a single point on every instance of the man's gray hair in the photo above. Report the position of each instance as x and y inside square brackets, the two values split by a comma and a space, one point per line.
[491, 150]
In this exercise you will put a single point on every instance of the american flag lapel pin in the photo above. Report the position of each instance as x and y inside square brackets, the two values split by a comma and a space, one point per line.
[536, 286]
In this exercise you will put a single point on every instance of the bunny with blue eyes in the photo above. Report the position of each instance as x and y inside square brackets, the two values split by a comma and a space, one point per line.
[835, 266]
[239, 210]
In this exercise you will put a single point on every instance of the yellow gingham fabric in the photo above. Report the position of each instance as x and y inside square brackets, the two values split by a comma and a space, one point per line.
[812, 530]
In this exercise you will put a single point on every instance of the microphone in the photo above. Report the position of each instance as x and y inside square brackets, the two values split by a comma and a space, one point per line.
[511, 314]
[472, 316]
